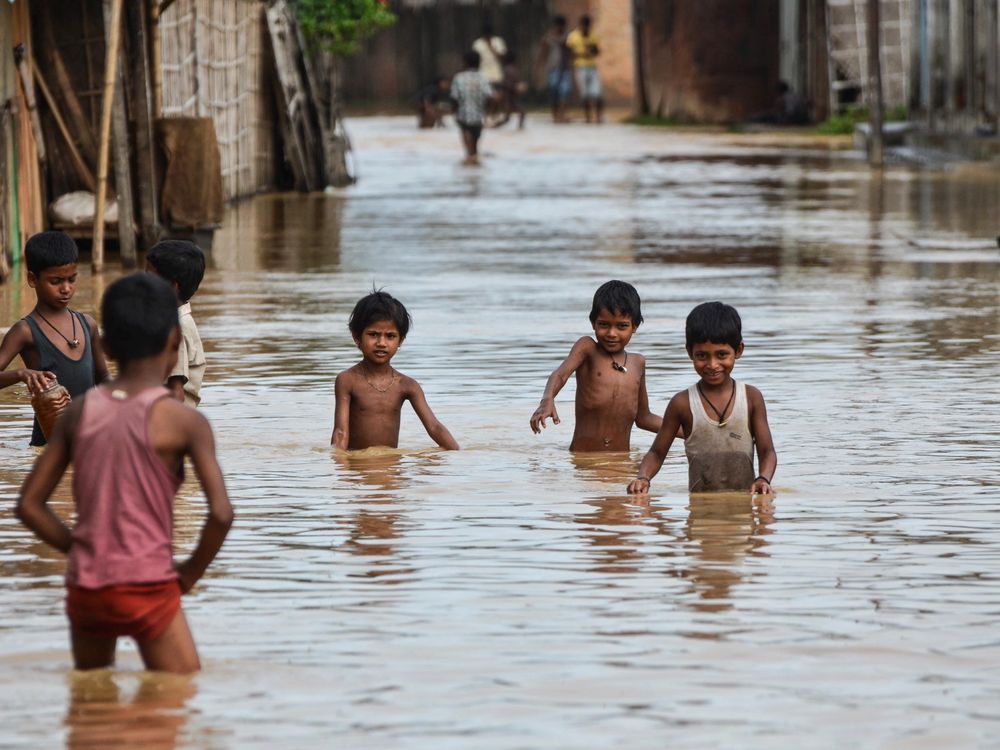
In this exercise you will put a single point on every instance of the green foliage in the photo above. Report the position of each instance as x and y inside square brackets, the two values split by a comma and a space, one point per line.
[843, 124]
[340, 26]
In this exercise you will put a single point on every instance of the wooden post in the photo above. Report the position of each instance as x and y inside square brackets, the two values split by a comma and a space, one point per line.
[123, 161]
[140, 95]
[155, 58]
[113, 35]
[639, 42]
[875, 102]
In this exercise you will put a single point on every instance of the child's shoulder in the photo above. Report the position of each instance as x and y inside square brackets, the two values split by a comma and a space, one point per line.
[19, 334]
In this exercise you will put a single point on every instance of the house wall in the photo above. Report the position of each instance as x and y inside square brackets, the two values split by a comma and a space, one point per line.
[712, 60]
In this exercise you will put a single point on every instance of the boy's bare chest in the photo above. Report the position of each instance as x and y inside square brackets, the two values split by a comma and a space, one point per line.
[599, 385]
[367, 400]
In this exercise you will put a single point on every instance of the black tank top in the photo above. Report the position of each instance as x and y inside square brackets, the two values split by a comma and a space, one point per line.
[76, 376]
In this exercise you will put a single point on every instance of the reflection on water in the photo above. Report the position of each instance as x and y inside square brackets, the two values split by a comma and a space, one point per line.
[511, 594]
[106, 712]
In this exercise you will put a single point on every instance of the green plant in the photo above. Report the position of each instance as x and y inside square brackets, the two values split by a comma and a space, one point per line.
[339, 26]
[843, 124]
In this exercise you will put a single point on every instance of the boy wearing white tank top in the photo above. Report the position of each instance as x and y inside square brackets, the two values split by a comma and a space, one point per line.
[724, 421]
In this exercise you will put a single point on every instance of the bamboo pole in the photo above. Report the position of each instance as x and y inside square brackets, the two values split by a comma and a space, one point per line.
[123, 166]
[63, 85]
[113, 35]
[156, 58]
[28, 84]
[82, 170]
[876, 102]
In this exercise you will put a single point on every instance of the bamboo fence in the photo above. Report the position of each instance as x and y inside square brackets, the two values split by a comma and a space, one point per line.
[214, 65]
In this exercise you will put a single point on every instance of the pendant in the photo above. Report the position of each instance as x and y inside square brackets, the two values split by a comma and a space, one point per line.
[618, 367]
[723, 424]
[74, 343]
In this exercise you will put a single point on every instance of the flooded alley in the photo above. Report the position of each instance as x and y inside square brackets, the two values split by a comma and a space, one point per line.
[510, 595]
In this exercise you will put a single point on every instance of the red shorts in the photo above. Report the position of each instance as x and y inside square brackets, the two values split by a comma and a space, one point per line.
[142, 611]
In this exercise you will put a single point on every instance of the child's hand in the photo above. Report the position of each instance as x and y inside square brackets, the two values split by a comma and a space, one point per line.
[36, 380]
[761, 486]
[638, 486]
[545, 410]
[186, 576]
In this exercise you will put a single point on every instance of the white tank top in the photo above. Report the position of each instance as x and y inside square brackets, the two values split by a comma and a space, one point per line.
[720, 458]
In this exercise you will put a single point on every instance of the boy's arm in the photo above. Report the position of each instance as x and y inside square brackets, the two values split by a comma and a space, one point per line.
[18, 339]
[654, 459]
[201, 448]
[644, 418]
[434, 428]
[341, 412]
[32, 503]
[100, 363]
[559, 377]
[767, 457]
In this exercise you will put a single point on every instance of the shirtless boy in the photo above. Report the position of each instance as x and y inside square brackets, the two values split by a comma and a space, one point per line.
[724, 421]
[610, 382]
[370, 395]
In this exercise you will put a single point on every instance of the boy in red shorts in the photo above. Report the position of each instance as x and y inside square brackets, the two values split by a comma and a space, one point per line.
[127, 440]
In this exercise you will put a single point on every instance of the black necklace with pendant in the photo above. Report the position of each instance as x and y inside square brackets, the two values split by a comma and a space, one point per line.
[722, 422]
[74, 342]
[619, 367]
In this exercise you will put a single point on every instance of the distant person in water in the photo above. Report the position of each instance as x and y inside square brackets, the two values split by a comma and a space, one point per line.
[610, 381]
[127, 441]
[511, 91]
[433, 102]
[556, 58]
[471, 93]
[370, 395]
[724, 421]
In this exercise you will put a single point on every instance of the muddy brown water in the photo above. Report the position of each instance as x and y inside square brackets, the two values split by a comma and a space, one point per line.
[510, 595]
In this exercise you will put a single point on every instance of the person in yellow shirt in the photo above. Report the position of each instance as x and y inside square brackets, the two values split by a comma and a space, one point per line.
[583, 45]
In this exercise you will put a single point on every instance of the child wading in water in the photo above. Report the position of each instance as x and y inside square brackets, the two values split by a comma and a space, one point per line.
[724, 420]
[370, 395]
[53, 341]
[127, 441]
[182, 265]
[610, 382]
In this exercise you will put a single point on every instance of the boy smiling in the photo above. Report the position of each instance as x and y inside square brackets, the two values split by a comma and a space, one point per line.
[370, 395]
[610, 381]
[724, 420]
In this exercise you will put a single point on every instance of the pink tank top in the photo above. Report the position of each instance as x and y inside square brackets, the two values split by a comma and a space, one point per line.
[124, 495]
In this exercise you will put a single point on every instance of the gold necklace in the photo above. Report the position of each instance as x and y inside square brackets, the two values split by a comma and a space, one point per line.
[390, 384]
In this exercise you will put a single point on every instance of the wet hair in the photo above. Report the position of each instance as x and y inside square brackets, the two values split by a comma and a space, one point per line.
[715, 322]
[559, 21]
[138, 313]
[181, 262]
[618, 297]
[471, 59]
[375, 308]
[49, 250]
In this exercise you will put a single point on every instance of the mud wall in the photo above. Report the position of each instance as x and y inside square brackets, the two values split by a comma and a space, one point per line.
[712, 60]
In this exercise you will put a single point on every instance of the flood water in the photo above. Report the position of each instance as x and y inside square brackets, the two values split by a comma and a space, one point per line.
[510, 595]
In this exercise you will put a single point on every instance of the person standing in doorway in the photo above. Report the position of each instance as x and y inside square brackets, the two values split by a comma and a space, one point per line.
[556, 57]
[584, 46]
